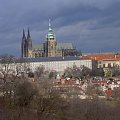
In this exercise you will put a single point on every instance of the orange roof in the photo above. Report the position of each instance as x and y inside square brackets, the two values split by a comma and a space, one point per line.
[102, 56]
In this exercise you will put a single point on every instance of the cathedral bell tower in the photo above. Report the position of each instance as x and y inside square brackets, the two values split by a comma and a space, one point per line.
[26, 45]
[29, 44]
[50, 44]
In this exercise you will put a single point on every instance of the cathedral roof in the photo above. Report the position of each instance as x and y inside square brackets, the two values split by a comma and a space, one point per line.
[62, 46]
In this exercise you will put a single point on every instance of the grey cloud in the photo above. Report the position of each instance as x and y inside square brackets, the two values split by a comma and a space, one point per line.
[87, 23]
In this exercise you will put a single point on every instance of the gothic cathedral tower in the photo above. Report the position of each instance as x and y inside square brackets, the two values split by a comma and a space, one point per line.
[50, 44]
[26, 45]
[29, 44]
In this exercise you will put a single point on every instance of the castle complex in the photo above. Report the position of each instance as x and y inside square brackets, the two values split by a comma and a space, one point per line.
[50, 48]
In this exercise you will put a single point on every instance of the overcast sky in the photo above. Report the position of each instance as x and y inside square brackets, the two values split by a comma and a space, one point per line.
[93, 26]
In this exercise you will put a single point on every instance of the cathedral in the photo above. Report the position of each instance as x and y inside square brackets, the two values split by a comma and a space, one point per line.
[50, 48]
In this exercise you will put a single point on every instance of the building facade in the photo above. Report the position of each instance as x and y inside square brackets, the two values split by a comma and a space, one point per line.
[50, 48]
[106, 61]
[59, 64]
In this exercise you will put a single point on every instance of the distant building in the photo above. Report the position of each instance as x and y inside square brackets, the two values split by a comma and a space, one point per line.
[59, 64]
[51, 48]
[107, 61]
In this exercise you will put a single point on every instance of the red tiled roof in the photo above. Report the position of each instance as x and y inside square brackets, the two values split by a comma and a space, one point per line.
[102, 56]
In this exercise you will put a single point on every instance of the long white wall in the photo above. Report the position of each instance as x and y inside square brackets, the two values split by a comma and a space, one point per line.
[60, 66]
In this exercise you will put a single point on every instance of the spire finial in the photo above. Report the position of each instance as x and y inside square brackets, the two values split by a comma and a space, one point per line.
[50, 29]
[49, 23]
[50, 32]
[23, 33]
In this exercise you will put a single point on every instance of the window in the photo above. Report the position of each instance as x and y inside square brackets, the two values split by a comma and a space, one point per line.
[109, 65]
[103, 65]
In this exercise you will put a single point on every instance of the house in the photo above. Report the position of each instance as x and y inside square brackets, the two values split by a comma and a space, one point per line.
[105, 61]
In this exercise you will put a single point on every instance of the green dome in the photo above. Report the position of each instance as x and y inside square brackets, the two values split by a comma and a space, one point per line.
[50, 35]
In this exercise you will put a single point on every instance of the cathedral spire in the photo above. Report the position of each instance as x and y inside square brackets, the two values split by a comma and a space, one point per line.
[29, 41]
[24, 34]
[28, 36]
[50, 34]
[50, 29]
[23, 45]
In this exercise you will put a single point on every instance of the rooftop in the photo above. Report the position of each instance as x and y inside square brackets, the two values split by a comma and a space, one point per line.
[60, 46]
[104, 56]
[47, 59]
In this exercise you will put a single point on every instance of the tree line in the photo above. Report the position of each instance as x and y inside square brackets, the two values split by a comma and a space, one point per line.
[22, 99]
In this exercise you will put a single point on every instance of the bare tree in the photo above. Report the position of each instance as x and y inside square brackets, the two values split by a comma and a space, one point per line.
[24, 93]
[77, 72]
[22, 66]
[52, 74]
[68, 72]
[6, 70]
[10, 70]
[98, 72]
[115, 71]
[86, 72]
[39, 71]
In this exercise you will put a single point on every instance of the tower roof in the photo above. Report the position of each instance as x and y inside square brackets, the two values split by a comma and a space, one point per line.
[23, 34]
[50, 34]
[50, 29]
[28, 36]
